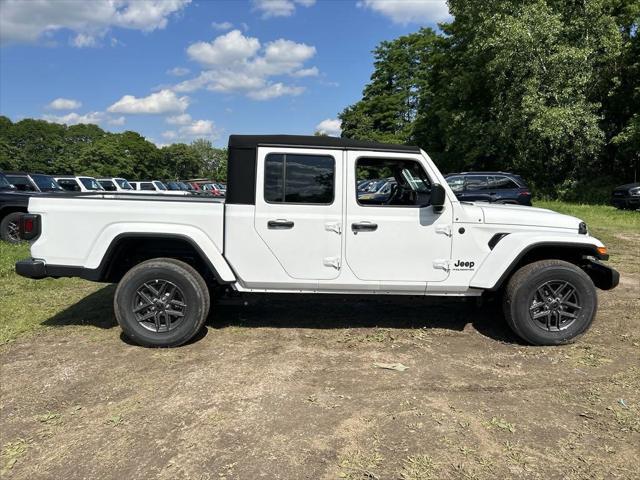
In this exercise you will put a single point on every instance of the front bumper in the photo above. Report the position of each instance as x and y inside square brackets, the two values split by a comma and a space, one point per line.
[603, 276]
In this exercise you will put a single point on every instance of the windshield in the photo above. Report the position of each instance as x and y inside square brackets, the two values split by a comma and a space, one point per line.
[46, 183]
[4, 183]
[160, 185]
[124, 184]
[90, 183]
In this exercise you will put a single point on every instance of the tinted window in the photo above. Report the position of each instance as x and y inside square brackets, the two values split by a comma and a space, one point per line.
[290, 178]
[21, 183]
[474, 183]
[456, 183]
[4, 183]
[124, 184]
[69, 184]
[160, 185]
[46, 183]
[90, 183]
[501, 182]
[146, 186]
[107, 185]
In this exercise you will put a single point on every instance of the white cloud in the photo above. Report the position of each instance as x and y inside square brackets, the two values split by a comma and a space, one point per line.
[228, 48]
[164, 101]
[183, 119]
[237, 63]
[198, 128]
[279, 8]
[409, 11]
[330, 126]
[169, 134]
[28, 21]
[222, 26]
[178, 71]
[116, 121]
[83, 40]
[306, 72]
[275, 90]
[64, 104]
[74, 118]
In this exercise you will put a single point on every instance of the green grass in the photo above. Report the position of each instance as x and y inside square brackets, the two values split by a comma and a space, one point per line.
[28, 306]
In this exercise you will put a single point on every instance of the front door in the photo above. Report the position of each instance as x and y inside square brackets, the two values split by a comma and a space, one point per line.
[395, 238]
[298, 211]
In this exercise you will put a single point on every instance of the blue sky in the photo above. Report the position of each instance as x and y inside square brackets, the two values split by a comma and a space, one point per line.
[175, 70]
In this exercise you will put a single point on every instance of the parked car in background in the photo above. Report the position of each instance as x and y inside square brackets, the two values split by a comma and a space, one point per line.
[78, 184]
[33, 182]
[155, 186]
[626, 196]
[382, 194]
[116, 184]
[492, 187]
[13, 205]
[176, 186]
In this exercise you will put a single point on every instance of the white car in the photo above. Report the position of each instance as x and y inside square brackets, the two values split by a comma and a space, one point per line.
[78, 184]
[116, 184]
[292, 222]
[156, 187]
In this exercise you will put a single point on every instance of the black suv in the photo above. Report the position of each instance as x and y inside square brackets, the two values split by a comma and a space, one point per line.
[33, 182]
[626, 196]
[494, 187]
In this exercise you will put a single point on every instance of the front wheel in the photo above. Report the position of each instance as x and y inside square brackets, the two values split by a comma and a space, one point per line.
[161, 303]
[550, 302]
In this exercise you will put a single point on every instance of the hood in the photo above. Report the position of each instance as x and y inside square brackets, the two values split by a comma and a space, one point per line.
[527, 216]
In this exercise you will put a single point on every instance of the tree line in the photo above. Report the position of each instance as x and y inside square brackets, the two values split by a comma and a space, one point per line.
[549, 89]
[44, 147]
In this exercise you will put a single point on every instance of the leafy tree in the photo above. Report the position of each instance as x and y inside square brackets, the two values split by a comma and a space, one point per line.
[181, 161]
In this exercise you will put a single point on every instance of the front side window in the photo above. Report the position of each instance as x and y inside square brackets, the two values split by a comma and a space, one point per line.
[293, 178]
[124, 184]
[160, 185]
[147, 186]
[108, 185]
[456, 183]
[46, 183]
[394, 182]
[90, 183]
[476, 183]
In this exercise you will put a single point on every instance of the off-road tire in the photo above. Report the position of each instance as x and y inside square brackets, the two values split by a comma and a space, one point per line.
[12, 219]
[519, 296]
[190, 283]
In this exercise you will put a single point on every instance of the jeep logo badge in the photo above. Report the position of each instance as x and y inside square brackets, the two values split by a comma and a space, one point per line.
[462, 265]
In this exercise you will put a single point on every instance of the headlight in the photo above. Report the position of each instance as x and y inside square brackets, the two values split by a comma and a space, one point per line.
[635, 192]
[582, 228]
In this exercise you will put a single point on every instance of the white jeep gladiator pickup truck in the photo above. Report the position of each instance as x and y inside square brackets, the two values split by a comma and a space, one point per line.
[293, 221]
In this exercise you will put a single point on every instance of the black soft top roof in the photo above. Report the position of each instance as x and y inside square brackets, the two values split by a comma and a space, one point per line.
[253, 141]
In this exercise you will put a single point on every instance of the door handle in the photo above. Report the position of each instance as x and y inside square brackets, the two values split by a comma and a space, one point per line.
[280, 224]
[364, 227]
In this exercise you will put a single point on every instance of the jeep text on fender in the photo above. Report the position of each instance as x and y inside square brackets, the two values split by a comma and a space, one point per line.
[295, 221]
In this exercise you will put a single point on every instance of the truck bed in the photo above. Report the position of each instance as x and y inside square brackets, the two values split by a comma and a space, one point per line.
[78, 229]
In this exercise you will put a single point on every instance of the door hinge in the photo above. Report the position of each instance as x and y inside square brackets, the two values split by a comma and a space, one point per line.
[333, 227]
[442, 264]
[446, 229]
[332, 262]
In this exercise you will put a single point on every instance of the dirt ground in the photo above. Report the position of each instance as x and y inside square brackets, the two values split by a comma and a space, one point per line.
[289, 389]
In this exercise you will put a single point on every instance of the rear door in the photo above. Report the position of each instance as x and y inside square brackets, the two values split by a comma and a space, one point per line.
[298, 212]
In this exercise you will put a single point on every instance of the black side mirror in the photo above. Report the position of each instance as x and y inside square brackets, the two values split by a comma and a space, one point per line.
[438, 196]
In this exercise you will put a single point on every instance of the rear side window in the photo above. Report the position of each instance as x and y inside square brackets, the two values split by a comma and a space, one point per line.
[146, 186]
[21, 183]
[107, 185]
[69, 184]
[500, 182]
[292, 178]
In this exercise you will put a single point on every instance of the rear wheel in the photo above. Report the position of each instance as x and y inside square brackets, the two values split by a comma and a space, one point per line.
[161, 303]
[10, 227]
[550, 302]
